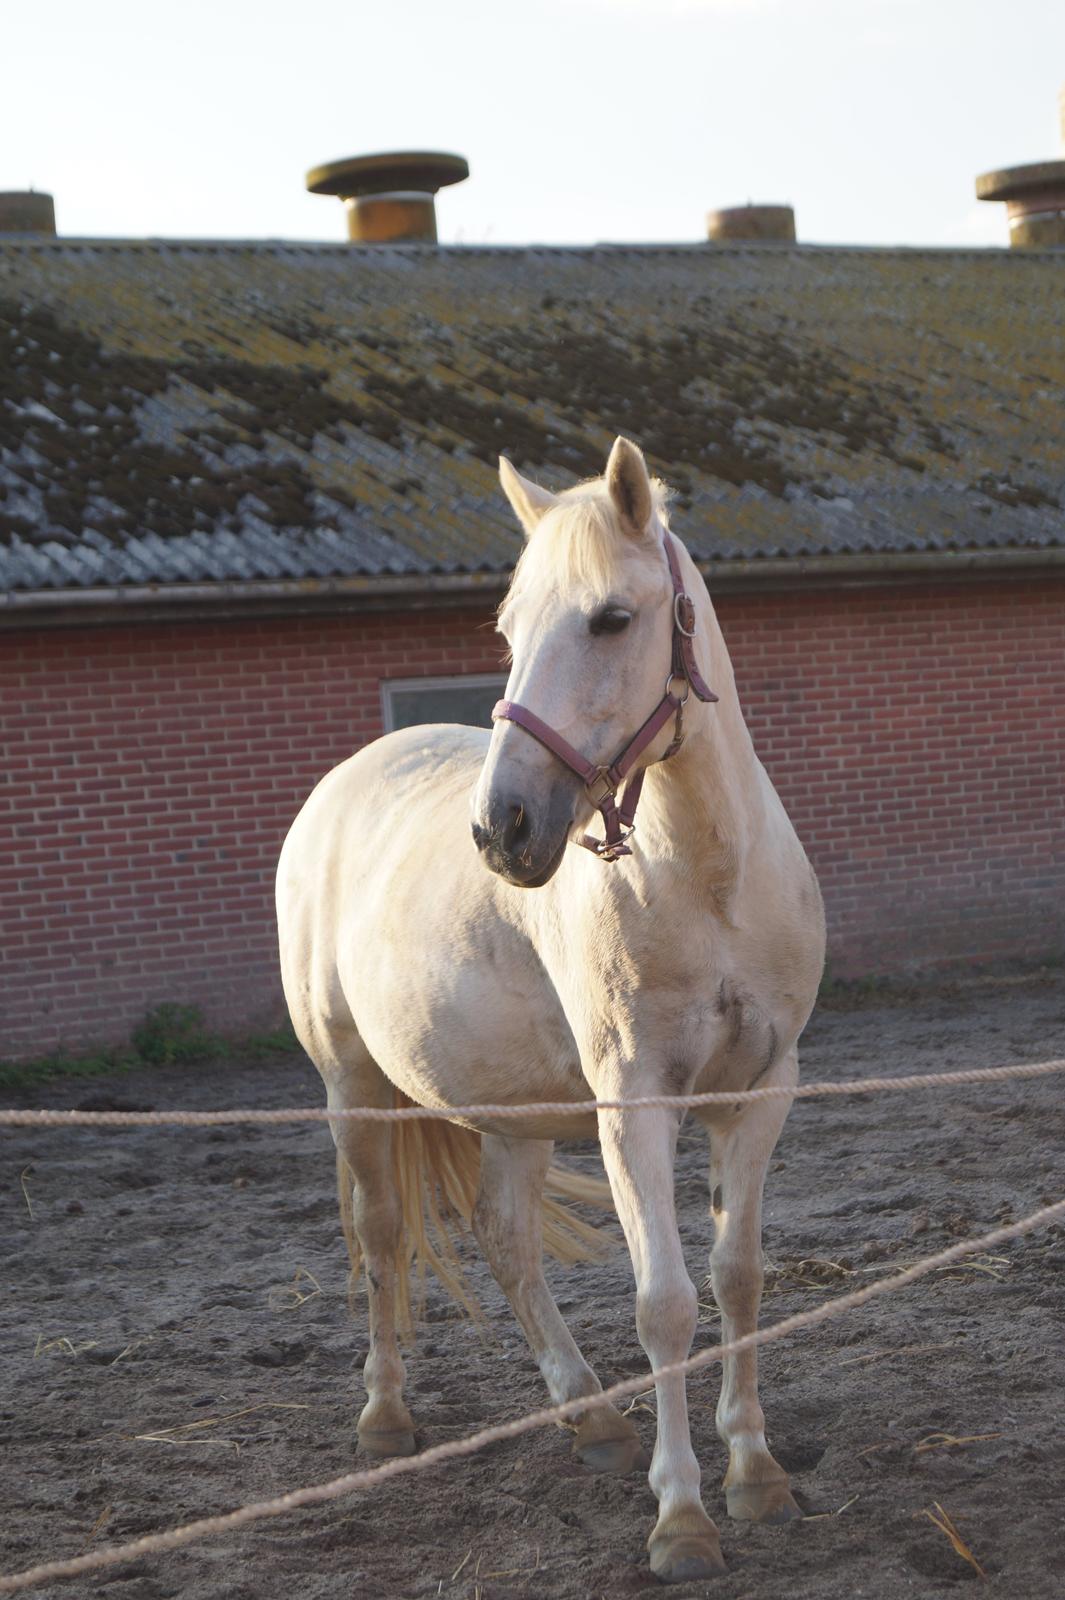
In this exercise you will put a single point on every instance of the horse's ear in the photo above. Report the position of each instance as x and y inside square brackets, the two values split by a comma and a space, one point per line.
[529, 501]
[630, 487]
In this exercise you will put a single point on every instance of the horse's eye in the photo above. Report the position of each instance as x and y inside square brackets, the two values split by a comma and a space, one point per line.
[612, 619]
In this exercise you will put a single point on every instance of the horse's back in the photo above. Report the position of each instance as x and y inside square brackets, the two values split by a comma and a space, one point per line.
[357, 833]
[428, 769]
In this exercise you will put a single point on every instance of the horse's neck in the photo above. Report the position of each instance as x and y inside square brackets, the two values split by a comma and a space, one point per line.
[705, 806]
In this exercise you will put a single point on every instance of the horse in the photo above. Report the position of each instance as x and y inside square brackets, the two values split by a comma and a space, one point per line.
[446, 941]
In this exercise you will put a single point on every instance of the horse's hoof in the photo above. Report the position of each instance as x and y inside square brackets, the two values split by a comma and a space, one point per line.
[686, 1557]
[607, 1442]
[761, 1502]
[387, 1441]
[617, 1456]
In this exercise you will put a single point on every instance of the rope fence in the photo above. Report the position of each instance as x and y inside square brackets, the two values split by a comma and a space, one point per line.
[317, 1494]
[320, 1493]
[804, 1091]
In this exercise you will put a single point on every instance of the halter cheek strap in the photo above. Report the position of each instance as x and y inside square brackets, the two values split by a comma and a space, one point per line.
[604, 782]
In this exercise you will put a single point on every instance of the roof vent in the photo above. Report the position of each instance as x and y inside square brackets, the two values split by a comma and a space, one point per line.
[769, 224]
[389, 198]
[1034, 196]
[26, 211]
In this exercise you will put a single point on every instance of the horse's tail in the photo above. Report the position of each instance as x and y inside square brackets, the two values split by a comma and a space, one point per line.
[436, 1166]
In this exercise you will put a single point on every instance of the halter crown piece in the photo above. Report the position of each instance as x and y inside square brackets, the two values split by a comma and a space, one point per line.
[603, 783]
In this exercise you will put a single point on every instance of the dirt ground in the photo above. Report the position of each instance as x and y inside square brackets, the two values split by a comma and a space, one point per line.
[175, 1341]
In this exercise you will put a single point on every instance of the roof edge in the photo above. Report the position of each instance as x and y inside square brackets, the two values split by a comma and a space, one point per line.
[76, 243]
[423, 591]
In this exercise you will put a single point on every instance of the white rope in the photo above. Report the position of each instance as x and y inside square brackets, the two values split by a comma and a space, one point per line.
[805, 1091]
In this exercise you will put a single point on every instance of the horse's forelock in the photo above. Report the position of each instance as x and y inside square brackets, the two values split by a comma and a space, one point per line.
[580, 542]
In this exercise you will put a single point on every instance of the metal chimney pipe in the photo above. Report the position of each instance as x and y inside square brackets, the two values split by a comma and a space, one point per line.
[1034, 196]
[770, 224]
[27, 211]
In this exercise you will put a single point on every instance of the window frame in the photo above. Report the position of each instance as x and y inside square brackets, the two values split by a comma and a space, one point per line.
[459, 680]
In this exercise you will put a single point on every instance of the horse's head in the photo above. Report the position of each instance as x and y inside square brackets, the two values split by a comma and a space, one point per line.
[589, 620]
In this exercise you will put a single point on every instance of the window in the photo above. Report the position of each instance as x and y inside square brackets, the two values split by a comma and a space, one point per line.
[406, 701]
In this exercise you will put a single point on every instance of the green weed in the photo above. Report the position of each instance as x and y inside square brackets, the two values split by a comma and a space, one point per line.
[170, 1035]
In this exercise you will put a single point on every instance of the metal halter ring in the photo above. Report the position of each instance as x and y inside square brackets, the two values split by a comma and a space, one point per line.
[678, 677]
[612, 852]
[685, 601]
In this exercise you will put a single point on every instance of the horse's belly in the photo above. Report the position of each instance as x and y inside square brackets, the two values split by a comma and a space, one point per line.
[465, 1021]
[452, 1065]
[545, 1125]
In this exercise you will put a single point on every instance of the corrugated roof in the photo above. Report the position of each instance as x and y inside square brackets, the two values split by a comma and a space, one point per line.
[186, 412]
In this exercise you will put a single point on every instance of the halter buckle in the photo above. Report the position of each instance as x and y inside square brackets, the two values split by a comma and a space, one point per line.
[609, 789]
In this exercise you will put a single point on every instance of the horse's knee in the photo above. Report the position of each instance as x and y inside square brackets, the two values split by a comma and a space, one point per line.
[666, 1315]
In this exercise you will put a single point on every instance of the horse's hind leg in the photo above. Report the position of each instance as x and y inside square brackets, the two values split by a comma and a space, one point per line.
[385, 1427]
[756, 1486]
[507, 1223]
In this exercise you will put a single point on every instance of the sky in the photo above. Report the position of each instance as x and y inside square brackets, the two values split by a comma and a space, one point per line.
[582, 120]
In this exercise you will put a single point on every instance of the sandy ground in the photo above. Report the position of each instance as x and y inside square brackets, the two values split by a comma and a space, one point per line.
[175, 1341]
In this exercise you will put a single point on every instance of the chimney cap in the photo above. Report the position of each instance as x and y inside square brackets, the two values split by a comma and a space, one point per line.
[420, 171]
[1012, 182]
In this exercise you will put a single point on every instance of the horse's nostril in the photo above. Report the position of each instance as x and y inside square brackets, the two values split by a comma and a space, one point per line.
[516, 830]
[506, 828]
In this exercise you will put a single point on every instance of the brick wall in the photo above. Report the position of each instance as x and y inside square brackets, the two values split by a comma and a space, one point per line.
[150, 773]
[150, 776]
[917, 737]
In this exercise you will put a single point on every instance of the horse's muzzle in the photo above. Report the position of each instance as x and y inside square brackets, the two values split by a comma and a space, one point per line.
[515, 846]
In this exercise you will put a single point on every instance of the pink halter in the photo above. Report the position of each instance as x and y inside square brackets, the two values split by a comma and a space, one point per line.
[603, 783]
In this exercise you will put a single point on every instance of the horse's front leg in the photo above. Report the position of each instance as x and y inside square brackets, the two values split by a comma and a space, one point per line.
[638, 1151]
[756, 1486]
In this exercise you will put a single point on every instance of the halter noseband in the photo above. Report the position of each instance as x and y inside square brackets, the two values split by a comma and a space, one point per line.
[603, 782]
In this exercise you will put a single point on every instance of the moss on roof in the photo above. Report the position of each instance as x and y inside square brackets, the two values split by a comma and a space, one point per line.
[174, 412]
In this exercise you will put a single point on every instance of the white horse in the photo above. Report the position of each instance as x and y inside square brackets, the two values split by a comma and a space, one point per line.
[423, 964]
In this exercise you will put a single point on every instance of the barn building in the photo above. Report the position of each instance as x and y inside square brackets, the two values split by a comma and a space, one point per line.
[249, 519]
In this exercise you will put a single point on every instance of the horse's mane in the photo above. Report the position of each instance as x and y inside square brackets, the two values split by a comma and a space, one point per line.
[580, 540]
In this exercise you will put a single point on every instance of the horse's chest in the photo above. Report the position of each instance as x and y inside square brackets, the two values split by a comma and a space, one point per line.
[700, 1034]
[746, 1037]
